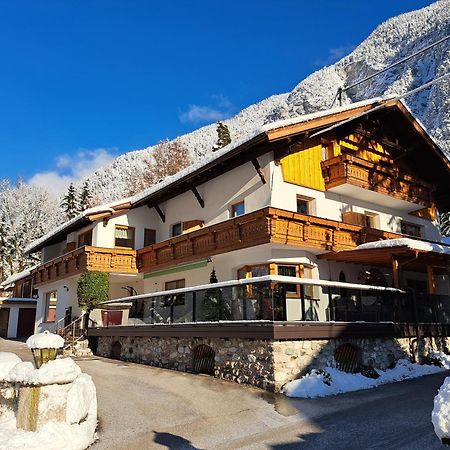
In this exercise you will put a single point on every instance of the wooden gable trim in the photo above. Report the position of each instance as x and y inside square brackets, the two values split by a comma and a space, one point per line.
[330, 119]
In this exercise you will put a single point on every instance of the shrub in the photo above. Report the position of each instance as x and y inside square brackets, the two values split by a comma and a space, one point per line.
[92, 289]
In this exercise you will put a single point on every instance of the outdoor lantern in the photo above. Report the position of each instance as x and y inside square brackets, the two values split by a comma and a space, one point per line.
[44, 347]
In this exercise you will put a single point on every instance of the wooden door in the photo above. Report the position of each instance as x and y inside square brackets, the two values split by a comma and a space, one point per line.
[25, 323]
[4, 320]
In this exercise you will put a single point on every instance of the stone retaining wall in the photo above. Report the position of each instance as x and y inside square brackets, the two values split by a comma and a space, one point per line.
[264, 363]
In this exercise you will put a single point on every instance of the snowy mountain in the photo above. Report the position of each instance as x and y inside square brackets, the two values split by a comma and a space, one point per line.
[396, 38]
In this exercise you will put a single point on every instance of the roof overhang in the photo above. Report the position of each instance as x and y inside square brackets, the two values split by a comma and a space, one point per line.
[408, 258]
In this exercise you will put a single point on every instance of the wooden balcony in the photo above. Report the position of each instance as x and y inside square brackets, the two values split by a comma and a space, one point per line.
[345, 172]
[268, 225]
[85, 259]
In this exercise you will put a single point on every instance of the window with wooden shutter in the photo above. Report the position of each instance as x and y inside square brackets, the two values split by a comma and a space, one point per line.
[149, 236]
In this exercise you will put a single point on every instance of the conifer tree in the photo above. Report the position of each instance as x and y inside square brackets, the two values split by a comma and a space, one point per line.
[69, 202]
[223, 136]
[85, 199]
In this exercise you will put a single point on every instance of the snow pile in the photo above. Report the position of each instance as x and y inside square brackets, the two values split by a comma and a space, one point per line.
[333, 381]
[59, 371]
[442, 358]
[441, 411]
[63, 386]
[7, 362]
[45, 340]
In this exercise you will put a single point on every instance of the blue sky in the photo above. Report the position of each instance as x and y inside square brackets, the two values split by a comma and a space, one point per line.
[83, 81]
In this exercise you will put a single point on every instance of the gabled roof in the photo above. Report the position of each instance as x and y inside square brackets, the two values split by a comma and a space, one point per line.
[237, 152]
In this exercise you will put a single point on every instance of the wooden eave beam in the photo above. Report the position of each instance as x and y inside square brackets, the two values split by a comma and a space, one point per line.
[259, 170]
[160, 213]
[199, 198]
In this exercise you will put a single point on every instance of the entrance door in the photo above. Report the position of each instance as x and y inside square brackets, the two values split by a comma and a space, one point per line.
[4, 320]
[25, 323]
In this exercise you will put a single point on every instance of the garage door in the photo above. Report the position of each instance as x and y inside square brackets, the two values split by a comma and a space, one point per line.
[4, 319]
[25, 323]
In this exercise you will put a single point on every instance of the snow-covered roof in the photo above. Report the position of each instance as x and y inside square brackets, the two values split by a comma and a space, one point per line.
[200, 165]
[74, 223]
[413, 244]
[9, 282]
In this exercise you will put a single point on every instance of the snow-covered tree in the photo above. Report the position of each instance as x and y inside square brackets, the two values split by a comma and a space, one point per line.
[69, 202]
[85, 198]
[223, 136]
[444, 220]
[26, 213]
[166, 159]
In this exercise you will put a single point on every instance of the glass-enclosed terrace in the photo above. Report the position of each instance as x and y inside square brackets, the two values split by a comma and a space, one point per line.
[275, 298]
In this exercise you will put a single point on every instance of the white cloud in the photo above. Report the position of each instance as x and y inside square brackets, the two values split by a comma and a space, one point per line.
[72, 168]
[334, 54]
[219, 110]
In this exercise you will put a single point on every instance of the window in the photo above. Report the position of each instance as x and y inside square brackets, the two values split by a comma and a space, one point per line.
[85, 238]
[50, 306]
[371, 220]
[176, 229]
[124, 236]
[304, 205]
[177, 284]
[259, 270]
[176, 299]
[411, 229]
[289, 271]
[149, 236]
[238, 209]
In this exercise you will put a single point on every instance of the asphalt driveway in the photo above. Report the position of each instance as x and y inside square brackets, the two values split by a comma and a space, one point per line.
[143, 407]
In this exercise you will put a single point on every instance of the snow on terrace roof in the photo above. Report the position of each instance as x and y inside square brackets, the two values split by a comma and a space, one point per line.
[197, 166]
[413, 244]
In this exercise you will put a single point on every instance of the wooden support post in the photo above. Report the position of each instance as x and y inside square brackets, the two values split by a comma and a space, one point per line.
[302, 301]
[259, 170]
[431, 280]
[198, 197]
[395, 272]
[160, 213]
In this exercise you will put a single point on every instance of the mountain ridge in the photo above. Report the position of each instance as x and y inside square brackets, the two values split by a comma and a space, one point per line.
[392, 40]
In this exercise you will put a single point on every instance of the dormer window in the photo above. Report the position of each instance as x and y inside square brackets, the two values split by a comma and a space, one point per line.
[124, 236]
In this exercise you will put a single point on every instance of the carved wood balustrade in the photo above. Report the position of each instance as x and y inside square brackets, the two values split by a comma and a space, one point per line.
[83, 259]
[391, 181]
[268, 225]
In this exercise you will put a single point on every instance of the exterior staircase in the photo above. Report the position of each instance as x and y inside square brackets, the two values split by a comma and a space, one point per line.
[75, 342]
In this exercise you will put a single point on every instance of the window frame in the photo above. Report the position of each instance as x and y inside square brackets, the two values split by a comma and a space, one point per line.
[125, 227]
[180, 224]
[309, 204]
[82, 235]
[419, 227]
[47, 305]
[233, 209]
[146, 232]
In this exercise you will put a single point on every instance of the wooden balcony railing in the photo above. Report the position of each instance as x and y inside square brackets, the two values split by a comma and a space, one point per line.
[359, 172]
[83, 259]
[256, 228]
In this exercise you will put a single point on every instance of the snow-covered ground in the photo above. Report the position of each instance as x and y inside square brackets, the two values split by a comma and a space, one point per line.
[333, 381]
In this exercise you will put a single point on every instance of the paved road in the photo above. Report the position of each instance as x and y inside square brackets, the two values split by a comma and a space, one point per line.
[143, 407]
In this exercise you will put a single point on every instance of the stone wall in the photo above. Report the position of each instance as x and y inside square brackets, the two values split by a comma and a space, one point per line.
[242, 360]
[264, 363]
